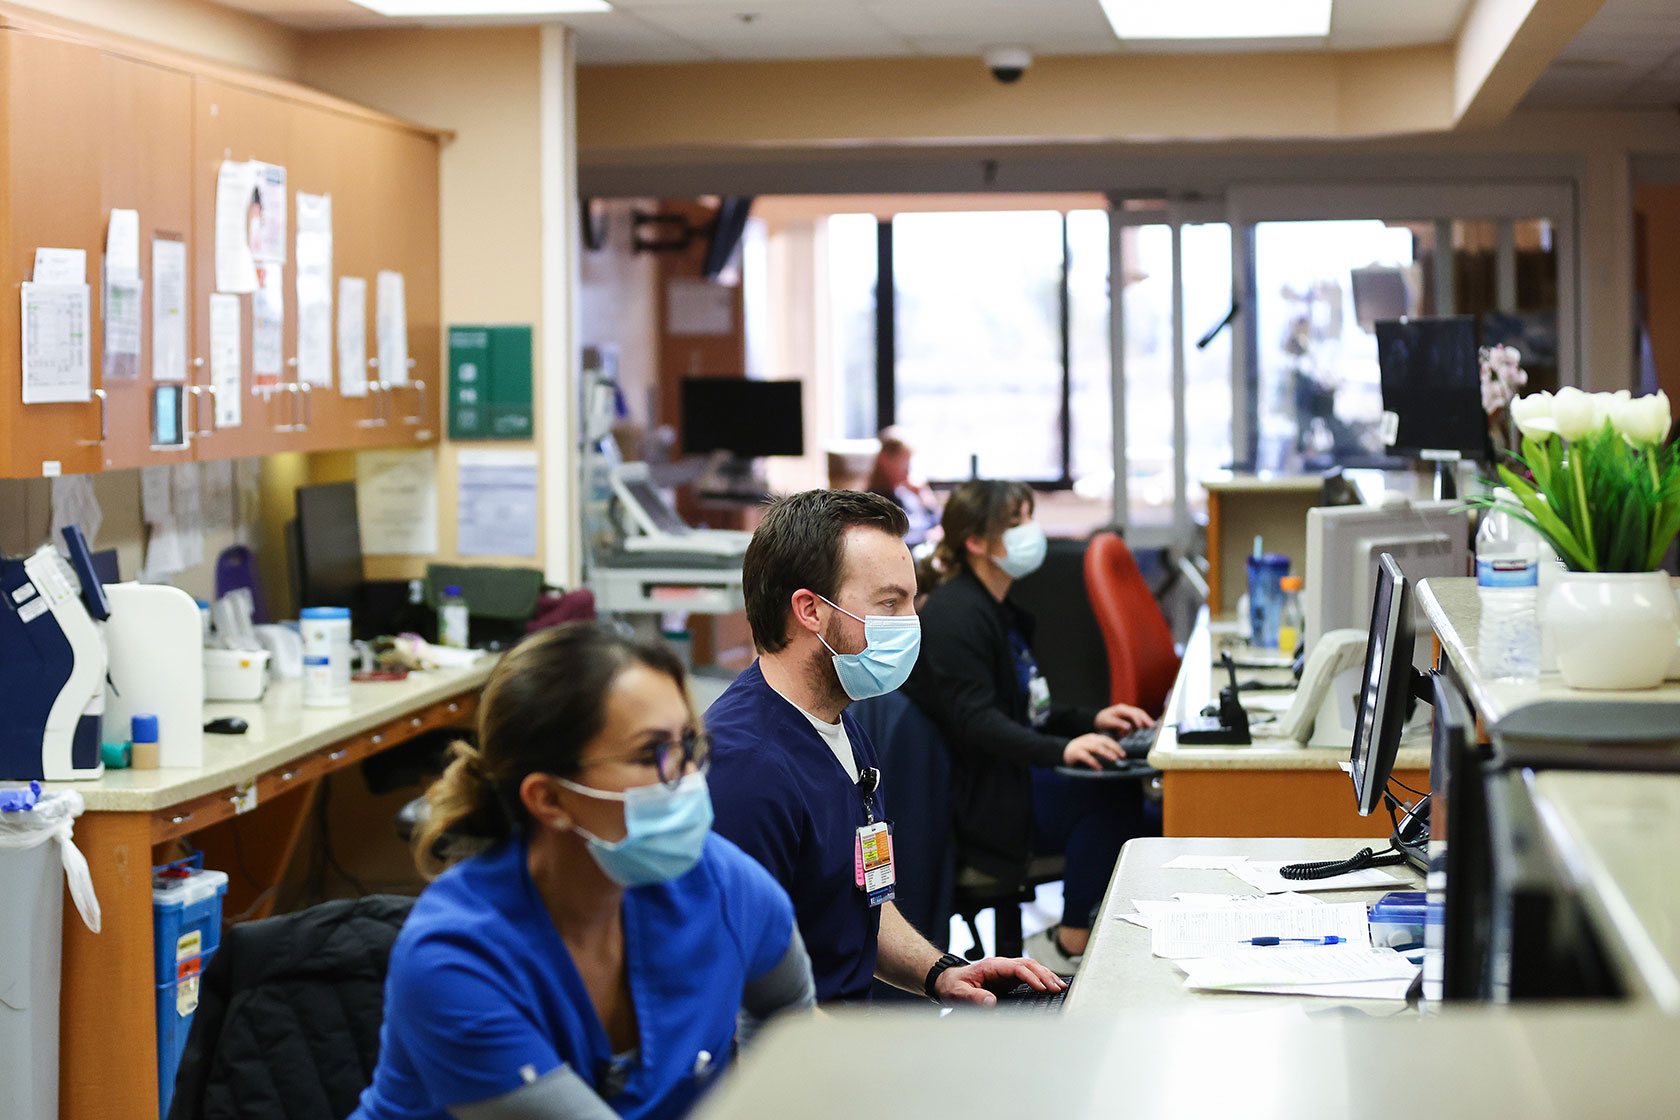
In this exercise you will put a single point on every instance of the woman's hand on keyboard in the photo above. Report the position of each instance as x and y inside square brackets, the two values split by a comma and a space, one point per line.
[1090, 750]
[1122, 718]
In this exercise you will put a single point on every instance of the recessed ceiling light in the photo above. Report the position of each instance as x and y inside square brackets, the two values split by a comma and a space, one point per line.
[1218, 19]
[410, 8]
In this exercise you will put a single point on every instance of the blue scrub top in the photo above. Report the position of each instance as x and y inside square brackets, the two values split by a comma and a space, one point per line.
[482, 995]
[779, 792]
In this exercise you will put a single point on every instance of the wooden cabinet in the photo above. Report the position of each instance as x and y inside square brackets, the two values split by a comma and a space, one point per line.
[87, 127]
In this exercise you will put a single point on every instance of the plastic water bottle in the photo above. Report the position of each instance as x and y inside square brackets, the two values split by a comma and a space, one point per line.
[1292, 625]
[1507, 582]
[452, 618]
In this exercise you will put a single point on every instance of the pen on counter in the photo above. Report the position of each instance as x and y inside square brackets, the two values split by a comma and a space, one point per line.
[1331, 940]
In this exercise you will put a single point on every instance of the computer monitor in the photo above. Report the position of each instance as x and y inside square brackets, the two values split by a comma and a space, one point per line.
[1458, 925]
[329, 547]
[1431, 383]
[1386, 692]
[1426, 539]
[745, 417]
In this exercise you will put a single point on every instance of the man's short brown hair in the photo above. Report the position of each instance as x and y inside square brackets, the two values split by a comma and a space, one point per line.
[800, 543]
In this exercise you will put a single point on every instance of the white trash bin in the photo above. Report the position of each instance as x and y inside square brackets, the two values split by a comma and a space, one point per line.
[36, 854]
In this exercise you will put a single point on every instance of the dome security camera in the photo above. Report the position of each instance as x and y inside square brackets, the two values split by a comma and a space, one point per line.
[1007, 64]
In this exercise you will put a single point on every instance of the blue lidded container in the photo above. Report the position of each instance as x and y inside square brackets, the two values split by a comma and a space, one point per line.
[1265, 598]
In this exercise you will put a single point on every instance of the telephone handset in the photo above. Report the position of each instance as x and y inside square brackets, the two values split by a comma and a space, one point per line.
[1335, 652]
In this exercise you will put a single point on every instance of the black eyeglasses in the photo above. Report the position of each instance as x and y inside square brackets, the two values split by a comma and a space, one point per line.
[672, 758]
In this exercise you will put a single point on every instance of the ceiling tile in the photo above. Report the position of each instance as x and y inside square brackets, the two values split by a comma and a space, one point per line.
[1369, 24]
[617, 37]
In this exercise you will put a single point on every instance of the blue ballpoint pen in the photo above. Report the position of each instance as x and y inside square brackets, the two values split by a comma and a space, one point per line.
[1331, 940]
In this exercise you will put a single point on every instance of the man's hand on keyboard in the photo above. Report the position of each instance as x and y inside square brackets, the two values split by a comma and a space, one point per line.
[975, 984]
[1122, 718]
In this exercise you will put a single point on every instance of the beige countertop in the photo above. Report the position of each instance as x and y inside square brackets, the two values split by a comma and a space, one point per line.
[1455, 612]
[1198, 683]
[1120, 976]
[1227, 481]
[280, 729]
[1615, 834]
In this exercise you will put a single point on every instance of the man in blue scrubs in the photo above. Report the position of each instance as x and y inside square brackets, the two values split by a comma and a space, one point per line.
[830, 592]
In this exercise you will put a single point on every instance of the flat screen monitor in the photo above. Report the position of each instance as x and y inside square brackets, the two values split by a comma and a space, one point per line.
[1385, 688]
[1427, 540]
[745, 417]
[329, 546]
[1431, 383]
[1458, 926]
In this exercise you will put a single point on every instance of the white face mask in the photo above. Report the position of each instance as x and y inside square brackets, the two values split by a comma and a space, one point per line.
[1024, 547]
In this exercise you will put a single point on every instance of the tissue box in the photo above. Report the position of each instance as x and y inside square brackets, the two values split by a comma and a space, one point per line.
[235, 674]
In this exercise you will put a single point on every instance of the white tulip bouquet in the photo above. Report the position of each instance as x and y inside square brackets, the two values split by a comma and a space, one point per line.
[1605, 486]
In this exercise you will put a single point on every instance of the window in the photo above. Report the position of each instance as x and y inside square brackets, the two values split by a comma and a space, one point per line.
[999, 344]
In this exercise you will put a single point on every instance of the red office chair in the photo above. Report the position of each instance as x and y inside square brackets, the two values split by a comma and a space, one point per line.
[1141, 659]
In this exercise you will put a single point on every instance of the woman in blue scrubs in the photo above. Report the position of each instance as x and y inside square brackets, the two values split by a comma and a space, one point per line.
[592, 942]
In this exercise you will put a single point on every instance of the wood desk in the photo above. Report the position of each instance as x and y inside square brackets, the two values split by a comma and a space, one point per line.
[107, 1018]
[1119, 975]
[1270, 788]
[1243, 506]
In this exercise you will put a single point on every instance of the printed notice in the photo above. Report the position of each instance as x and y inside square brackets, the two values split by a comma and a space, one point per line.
[268, 324]
[392, 326]
[154, 494]
[238, 222]
[120, 299]
[60, 266]
[226, 376]
[169, 310]
[352, 336]
[496, 503]
[266, 217]
[314, 289]
[396, 500]
[56, 362]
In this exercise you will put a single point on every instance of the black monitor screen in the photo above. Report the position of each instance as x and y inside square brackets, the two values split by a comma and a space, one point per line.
[1431, 382]
[1385, 688]
[1457, 933]
[329, 546]
[743, 417]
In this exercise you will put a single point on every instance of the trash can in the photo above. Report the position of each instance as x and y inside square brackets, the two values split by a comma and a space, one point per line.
[35, 853]
[187, 928]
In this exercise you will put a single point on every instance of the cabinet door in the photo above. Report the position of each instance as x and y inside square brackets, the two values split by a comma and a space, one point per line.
[145, 125]
[231, 123]
[411, 247]
[49, 187]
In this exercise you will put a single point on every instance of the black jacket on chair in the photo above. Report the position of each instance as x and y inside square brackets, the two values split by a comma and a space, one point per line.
[289, 1011]
[965, 678]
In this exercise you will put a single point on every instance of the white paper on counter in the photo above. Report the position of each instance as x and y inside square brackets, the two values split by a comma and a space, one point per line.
[57, 363]
[1184, 933]
[226, 375]
[238, 221]
[1297, 970]
[391, 325]
[352, 336]
[396, 502]
[1263, 875]
[496, 503]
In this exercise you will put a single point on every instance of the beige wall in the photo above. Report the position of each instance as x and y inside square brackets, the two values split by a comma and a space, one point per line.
[198, 27]
[485, 86]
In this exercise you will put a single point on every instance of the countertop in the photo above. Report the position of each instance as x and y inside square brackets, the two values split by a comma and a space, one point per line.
[280, 729]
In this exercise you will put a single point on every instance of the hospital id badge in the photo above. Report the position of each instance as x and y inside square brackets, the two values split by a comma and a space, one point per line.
[874, 862]
[1038, 701]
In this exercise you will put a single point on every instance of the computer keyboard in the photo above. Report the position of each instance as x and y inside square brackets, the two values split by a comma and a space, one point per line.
[1025, 997]
[1136, 743]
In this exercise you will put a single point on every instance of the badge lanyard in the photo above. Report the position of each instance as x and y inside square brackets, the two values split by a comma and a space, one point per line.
[872, 852]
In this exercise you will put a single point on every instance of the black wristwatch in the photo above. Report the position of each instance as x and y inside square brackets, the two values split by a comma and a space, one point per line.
[949, 960]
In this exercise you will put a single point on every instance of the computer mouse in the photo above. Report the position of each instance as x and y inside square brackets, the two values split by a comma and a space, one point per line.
[226, 725]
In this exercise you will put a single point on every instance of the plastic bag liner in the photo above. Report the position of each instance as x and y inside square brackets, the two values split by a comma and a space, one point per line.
[53, 818]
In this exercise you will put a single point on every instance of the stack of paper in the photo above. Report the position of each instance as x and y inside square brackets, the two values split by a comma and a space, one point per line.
[1149, 913]
[1186, 933]
[1352, 971]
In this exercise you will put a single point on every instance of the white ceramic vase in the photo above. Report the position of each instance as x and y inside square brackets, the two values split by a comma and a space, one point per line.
[1612, 630]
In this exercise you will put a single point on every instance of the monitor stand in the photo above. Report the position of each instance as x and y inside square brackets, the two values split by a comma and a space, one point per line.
[1446, 472]
[736, 478]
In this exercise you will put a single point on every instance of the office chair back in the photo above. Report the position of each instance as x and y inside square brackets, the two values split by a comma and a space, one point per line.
[1142, 661]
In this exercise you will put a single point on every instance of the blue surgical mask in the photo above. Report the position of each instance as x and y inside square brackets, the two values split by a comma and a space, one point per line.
[892, 642]
[1024, 547]
[664, 830]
